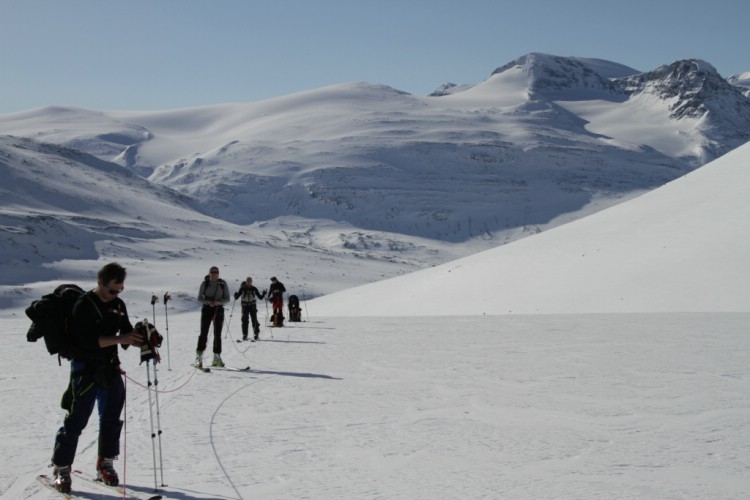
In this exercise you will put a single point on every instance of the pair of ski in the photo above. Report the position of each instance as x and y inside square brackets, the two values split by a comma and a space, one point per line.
[96, 483]
[206, 369]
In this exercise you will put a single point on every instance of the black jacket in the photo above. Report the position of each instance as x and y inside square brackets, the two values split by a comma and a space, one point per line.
[92, 319]
[248, 293]
[276, 289]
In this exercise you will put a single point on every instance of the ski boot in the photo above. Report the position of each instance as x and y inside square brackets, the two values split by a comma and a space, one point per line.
[199, 359]
[105, 471]
[61, 479]
[217, 361]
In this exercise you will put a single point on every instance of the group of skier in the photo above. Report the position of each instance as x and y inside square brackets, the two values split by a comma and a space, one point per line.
[101, 323]
[214, 294]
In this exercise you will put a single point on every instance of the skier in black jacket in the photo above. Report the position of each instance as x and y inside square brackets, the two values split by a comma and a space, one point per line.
[249, 307]
[100, 323]
[276, 292]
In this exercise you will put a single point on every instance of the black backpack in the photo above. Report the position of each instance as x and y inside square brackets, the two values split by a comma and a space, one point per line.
[51, 318]
[295, 313]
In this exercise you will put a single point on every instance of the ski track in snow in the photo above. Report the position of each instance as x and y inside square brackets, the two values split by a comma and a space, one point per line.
[521, 407]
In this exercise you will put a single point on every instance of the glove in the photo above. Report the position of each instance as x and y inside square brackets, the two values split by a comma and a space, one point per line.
[236, 295]
[147, 353]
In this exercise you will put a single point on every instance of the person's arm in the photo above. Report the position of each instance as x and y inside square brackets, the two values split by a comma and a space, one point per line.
[202, 293]
[127, 335]
[86, 318]
[130, 338]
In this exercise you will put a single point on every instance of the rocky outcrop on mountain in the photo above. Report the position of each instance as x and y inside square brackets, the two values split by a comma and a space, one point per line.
[690, 89]
[694, 89]
[449, 89]
[742, 81]
[555, 77]
[693, 86]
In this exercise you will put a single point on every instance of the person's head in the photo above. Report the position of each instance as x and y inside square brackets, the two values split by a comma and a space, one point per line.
[213, 273]
[249, 280]
[273, 279]
[111, 280]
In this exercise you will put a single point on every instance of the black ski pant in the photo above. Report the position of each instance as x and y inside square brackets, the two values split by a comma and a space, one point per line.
[83, 392]
[211, 315]
[250, 313]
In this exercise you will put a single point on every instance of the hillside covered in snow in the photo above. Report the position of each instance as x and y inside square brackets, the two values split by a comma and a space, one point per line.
[413, 181]
[602, 358]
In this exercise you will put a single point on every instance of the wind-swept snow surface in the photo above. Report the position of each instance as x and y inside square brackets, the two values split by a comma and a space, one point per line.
[505, 407]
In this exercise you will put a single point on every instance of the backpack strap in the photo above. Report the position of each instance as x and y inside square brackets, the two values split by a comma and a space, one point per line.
[95, 306]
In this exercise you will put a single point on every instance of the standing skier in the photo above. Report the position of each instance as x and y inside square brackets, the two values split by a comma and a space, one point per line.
[249, 308]
[213, 294]
[276, 292]
[100, 322]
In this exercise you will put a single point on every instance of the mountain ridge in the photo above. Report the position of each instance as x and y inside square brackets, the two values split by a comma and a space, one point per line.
[532, 147]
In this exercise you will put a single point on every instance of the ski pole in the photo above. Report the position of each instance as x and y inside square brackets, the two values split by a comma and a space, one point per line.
[156, 359]
[266, 320]
[304, 302]
[158, 422]
[151, 353]
[151, 416]
[154, 299]
[167, 297]
[268, 325]
[124, 432]
[231, 313]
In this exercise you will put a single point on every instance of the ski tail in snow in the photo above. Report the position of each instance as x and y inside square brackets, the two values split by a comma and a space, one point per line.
[122, 491]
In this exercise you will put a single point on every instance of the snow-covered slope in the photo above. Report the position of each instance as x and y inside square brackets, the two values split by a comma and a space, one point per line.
[543, 140]
[682, 247]
[469, 405]
[59, 203]
[62, 209]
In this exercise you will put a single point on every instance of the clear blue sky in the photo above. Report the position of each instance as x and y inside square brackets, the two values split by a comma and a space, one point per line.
[161, 54]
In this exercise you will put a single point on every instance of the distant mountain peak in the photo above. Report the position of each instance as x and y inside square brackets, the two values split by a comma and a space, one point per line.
[691, 82]
[568, 78]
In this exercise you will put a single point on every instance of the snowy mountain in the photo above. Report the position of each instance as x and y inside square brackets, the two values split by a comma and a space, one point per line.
[62, 209]
[696, 91]
[681, 247]
[559, 78]
[473, 399]
[742, 81]
[418, 180]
